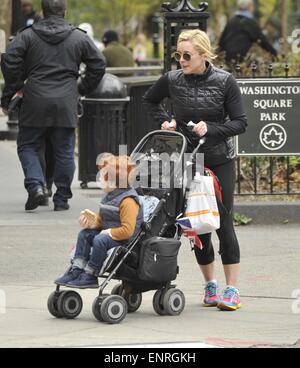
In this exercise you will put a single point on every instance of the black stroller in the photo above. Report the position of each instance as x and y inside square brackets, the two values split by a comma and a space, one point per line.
[150, 261]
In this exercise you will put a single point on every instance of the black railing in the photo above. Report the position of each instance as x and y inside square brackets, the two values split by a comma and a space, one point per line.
[265, 175]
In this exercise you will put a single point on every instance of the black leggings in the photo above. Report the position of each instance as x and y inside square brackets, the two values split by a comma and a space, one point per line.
[229, 246]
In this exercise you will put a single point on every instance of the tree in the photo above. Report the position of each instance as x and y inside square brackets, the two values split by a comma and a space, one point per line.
[5, 16]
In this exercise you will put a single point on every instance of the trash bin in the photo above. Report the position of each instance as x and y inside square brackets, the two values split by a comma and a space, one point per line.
[102, 126]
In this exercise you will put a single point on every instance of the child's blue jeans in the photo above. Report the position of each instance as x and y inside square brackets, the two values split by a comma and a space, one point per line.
[91, 250]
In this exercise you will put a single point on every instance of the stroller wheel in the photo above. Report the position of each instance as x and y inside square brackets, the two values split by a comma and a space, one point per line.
[69, 304]
[158, 303]
[113, 309]
[133, 301]
[52, 304]
[174, 302]
[96, 308]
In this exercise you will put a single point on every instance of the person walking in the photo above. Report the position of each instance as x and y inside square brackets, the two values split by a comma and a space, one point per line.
[51, 51]
[29, 14]
[241, 32]
[210, 98]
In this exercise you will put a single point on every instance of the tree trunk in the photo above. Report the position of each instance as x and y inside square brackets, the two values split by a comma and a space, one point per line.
[284, 26]
[5, 16]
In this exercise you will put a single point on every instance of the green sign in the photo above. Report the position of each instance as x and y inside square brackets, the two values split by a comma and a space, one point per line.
[273, 111]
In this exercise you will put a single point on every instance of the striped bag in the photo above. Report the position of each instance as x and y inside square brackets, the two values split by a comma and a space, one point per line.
[202, 208]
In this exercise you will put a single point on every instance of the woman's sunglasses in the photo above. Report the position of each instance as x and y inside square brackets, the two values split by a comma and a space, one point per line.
[186, 56]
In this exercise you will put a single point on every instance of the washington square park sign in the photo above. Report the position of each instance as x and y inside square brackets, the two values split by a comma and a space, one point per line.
[273, 110]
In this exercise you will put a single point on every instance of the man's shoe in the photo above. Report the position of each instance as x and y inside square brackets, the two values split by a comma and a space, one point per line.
[84, 281]
[230, 300]
[211, 298]
[70, 275]
[61, 207]
[45, 201]
[35, 199]
[49, 188]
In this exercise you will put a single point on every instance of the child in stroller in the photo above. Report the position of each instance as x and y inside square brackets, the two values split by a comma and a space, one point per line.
[147, 260]
[118, 222]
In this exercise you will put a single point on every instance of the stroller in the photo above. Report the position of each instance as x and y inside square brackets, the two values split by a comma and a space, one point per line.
[150, 261]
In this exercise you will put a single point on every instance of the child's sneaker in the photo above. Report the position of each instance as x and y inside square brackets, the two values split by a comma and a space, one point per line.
[211, 298]
[70, 275]
[230, 300]
[84, 281]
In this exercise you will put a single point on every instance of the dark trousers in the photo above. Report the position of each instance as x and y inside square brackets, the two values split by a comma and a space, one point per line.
[229, 246]
[30, 143]
[47, 160]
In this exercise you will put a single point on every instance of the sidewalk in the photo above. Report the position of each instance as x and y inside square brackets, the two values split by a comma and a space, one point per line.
[34, 251]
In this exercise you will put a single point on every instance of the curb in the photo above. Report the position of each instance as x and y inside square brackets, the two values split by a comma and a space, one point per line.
[270, 213]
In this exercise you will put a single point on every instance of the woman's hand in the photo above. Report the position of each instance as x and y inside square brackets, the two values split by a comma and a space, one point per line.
[170, 126]
[84, 222]
[200, 129]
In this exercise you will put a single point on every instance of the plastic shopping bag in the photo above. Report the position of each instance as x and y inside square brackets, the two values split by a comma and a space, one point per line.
[202, 208]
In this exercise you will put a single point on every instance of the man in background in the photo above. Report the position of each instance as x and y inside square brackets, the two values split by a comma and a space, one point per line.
[116, 54]
[47, 55]
[29, 14]
[241, 33]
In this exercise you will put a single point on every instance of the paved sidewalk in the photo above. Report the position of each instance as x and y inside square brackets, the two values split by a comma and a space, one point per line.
[34, 250]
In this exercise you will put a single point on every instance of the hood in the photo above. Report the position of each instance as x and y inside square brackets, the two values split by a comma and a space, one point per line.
[53, 30]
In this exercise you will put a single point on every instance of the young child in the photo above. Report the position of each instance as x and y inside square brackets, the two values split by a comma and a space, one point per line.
[119, 221]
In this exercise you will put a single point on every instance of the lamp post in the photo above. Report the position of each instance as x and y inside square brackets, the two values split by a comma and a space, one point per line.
[183, 16]
[156, 20]
[17, 17]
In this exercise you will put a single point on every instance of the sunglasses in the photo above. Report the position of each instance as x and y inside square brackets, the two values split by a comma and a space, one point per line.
[186, 56]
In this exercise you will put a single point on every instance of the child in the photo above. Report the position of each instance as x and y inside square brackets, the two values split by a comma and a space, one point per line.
[119, 221]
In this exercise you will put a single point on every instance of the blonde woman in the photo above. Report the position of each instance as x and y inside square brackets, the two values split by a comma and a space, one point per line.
[210, 98]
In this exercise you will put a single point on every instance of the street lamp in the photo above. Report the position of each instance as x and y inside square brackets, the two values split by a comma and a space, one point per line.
[156, 21]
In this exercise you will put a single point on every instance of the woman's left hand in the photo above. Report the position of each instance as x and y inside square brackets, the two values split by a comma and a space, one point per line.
[200, 129]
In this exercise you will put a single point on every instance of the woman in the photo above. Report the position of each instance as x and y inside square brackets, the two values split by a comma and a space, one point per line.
[210, 98]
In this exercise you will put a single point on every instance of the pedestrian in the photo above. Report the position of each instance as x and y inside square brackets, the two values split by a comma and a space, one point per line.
[29, 14]
[118, 222]
[210, 98]
[88, 28]
[241, 32]
[140, 49]
[51, 51]
[46, 153]
[116, 54]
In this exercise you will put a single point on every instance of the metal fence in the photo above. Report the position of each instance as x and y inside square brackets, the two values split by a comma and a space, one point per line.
[265, 175]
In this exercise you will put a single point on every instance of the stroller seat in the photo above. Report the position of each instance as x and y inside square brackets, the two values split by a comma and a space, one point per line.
[149, 204]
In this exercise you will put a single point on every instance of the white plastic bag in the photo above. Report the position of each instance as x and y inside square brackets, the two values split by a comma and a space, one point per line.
[202, 208]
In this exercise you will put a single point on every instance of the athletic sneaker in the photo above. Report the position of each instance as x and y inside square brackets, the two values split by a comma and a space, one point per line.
[230, 300]
[211, 298]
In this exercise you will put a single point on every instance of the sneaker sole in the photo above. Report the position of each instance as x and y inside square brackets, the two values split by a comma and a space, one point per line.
[225, 307]
[210, 305]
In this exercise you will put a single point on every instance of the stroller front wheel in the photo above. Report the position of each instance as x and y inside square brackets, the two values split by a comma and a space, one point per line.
[113, 309]
[96, 308]
[52, 304]
[69, 304]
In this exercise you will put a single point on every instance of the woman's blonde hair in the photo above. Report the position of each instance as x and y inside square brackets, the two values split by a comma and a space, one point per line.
[200, 41]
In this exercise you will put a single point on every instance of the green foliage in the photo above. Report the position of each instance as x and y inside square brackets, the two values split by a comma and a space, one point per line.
[241, 219]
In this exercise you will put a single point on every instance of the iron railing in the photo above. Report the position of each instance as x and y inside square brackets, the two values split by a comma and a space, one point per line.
[267, 175]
